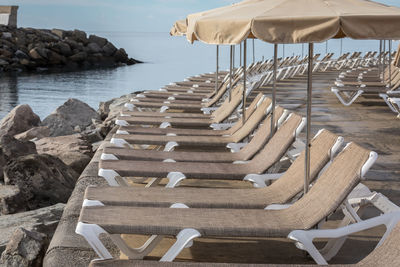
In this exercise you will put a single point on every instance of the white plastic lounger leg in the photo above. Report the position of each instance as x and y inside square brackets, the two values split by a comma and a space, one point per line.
[385, 97]
[129, 106]
[165, 125]
[304, 239]
[262, 180]
[121, 123]
[105, 156]
[120, 142]
[170, 146]
[174, 179]
[91, 233]
[137, 253]
[352, 97]
[183, 239]
[109, 176]
[122, 132]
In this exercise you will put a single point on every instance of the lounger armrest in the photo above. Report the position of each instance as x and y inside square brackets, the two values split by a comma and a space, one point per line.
[390, 93]
[262, 180]
[278, 206]
[304, 239]
[208, 110]
[236, 147]
[221, 126]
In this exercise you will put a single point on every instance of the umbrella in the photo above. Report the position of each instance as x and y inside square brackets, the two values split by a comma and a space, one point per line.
[300, 21]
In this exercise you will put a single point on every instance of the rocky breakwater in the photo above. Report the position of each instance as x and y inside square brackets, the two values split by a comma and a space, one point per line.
[40, 162]
[28, 49]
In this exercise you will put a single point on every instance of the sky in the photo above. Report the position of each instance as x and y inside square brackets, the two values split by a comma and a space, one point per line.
[113, 15]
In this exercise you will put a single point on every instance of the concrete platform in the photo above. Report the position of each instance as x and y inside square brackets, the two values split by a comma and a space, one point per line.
[368, 122]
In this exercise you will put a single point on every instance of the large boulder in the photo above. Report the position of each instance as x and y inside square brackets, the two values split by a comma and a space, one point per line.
[43, 220]
[25, 249]
[59, 33]
[94, 48]
[109, 49]
[13, 148]
[79, 36]
[98, 40]
[67, 118]
[73, 150]
[43, 180]
[34, 133]
[78, 57]
[19, 120]
[10, 200]
[121, 56]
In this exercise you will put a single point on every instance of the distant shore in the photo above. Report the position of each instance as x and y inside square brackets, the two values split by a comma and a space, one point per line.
[40, 50]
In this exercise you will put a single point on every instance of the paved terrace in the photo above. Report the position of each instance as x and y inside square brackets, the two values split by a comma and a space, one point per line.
[368, 122]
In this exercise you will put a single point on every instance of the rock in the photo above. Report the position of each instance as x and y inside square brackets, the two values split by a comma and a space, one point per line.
[6, 53]
[55, 58]
[78, 57]
[98, 40]
[13, 148]
[73, 150]
[94, 48]
[63, 48]
[121, 55]
[10, 200]
[109, 49]
[59, 33]
[80, 36]
[25, 249]
[6, 35]
[43, 180]
[43, 220]
[66, 117]
[3, 62]
[21, 55]
[19, 120]
[34, 53]
[34, 133]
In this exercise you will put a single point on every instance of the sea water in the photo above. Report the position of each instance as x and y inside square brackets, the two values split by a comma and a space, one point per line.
[166, 59]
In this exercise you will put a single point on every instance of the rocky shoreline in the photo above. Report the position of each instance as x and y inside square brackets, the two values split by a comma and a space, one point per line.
[33, 50]
[40, 163]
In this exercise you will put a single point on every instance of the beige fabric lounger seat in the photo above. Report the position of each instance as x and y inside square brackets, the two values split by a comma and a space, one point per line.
[221, 113]
[324, 197]
[283, 190]
[259, 139]
[261, 162]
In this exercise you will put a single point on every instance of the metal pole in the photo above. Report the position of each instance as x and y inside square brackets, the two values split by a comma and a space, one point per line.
[283, 51]
[326, 47]
[240, 54]
[341, 46]
[390, 63]
[244, 79]
[380, 58]
[254, 52]
[302, 51]
[309, 104]
[230, 74]
[274, 91]
[384, 60]
[234, 48]
[217, 71]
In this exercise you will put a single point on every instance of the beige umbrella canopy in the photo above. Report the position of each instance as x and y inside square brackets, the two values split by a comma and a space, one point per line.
[179, 28]
[299, 21]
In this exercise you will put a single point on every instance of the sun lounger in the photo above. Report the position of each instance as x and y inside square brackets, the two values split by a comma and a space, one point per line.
[177, 171]
[251, 123]
[324, 197]
[239, 151]
[324, 146]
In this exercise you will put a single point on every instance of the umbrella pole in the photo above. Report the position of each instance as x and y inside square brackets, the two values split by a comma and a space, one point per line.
[234, 48]
[240, 54]
[254, 52]
[309, 103]
[384, 60]
[244, 79]
[230, 74]
[341, 47]
[283, 51]
[274, 90]
[390, 63]
[380, 58]
[217, 71]
[326, 47]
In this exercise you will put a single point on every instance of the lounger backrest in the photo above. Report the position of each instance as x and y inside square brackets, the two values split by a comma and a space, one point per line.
[222, 91]
[331, 188]
[227, 107]
[277, 146]
[387, 254]
[252, 122]
[261, 136]
[249, 111]
[292, 182]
